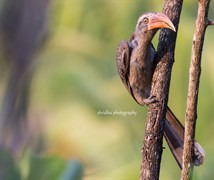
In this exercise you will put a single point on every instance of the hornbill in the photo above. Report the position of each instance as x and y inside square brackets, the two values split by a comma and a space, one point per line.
[135, 64]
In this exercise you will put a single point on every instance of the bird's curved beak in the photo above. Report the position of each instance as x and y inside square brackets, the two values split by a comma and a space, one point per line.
[160, 20]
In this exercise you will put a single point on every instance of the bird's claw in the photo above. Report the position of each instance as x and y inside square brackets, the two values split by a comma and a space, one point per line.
[149, 100]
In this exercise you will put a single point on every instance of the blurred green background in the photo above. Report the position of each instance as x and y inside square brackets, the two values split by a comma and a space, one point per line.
[75, 78]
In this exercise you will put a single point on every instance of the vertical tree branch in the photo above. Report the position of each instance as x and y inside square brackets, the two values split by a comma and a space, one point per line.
[23, 28]
[152, 148]
[194, 77]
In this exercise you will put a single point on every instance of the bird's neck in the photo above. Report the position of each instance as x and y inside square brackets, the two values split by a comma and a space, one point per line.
[142, 45]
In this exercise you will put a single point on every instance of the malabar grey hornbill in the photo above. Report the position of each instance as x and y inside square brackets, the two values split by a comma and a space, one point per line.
[135, 64]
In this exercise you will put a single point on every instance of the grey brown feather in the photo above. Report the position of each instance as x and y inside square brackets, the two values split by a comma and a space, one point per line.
[135, 64]
[123, 60]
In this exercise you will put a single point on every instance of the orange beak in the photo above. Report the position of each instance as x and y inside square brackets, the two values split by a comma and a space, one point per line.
[160, 20]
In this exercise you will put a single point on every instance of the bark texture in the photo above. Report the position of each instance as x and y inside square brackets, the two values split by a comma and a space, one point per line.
[194, 78]
[152, 148]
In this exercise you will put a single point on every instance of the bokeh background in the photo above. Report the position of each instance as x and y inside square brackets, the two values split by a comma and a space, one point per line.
[60, 91]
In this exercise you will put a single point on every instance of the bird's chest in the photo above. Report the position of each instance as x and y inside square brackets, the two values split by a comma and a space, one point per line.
[142, 60]
[140, 73]
[141, 67]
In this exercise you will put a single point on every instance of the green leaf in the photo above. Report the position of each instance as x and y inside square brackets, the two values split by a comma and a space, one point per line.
[73, 171]
[8, 168]
[45, 168]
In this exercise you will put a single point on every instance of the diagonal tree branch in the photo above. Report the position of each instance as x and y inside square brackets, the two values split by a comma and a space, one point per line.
[152, 148]
[194, 77]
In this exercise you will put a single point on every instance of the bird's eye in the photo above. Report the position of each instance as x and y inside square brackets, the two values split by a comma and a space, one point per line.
[145, 20]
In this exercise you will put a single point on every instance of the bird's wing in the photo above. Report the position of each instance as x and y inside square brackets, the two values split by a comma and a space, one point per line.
[123, 63]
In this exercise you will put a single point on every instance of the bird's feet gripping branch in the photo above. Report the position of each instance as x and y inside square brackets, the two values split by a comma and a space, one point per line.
[135, 64]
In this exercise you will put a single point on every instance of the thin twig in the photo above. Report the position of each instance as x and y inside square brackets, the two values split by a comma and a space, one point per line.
[194, 78]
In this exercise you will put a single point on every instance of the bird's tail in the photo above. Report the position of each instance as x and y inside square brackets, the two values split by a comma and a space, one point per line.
[174, 135]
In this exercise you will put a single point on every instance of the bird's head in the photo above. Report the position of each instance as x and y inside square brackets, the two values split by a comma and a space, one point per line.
[149, 21]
